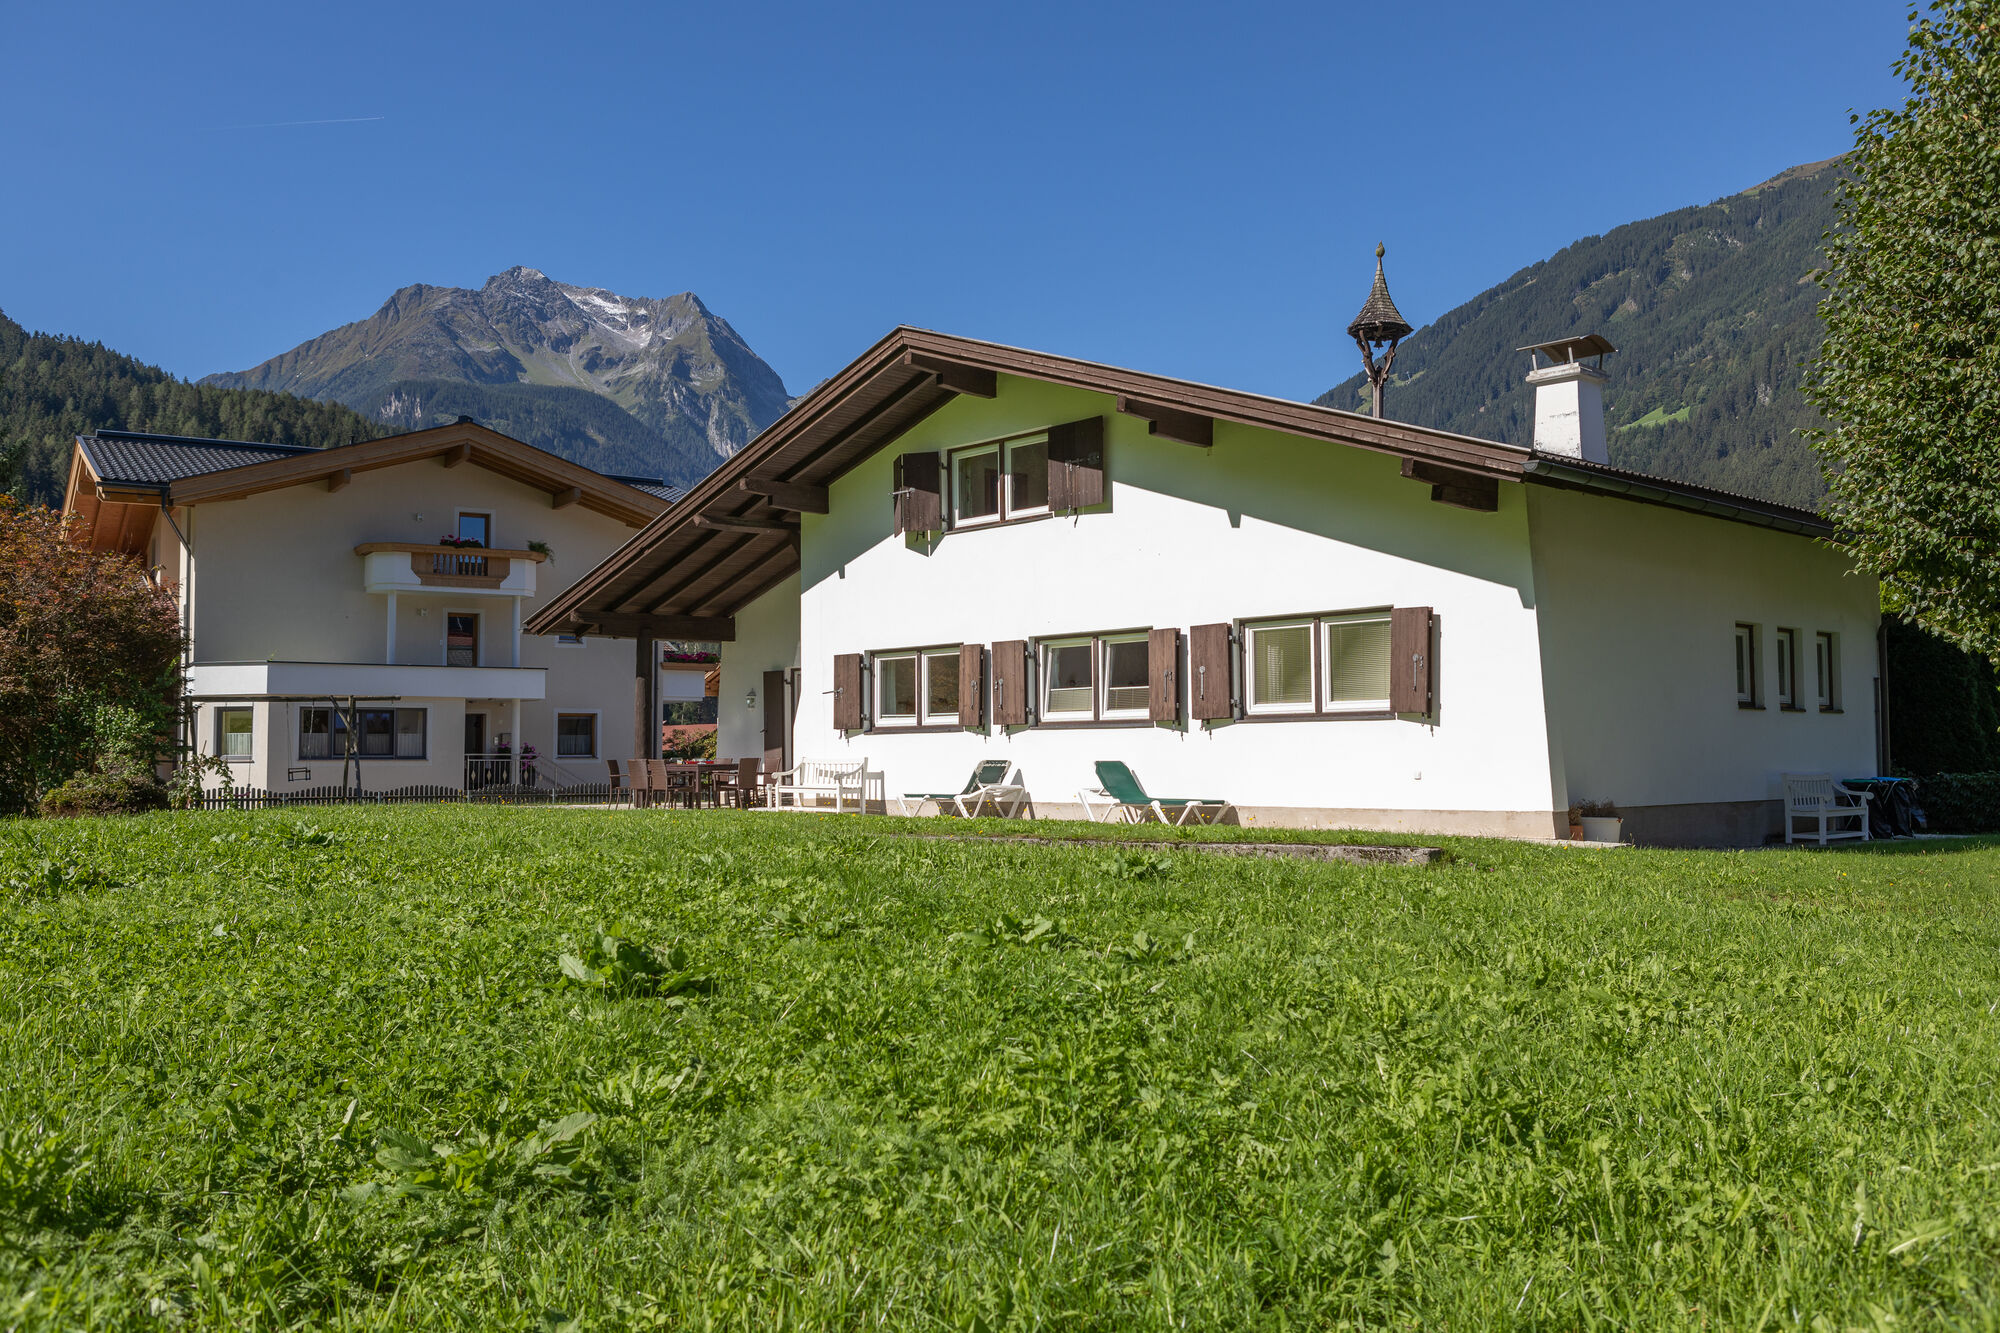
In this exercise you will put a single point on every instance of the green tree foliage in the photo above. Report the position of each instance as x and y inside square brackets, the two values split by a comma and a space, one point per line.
[1909, 375]
[53, 389]
[89, 652]
[1944, 706]
[1712, 310]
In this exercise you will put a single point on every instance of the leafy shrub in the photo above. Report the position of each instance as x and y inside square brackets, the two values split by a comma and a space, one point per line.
[685, 746]
[1961, 802]
[122, 793]
[625, 968]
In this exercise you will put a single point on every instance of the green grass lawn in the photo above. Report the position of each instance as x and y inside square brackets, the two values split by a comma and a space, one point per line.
[265, 1070]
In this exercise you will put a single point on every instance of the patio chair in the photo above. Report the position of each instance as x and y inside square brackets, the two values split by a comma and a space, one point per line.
[993, 780]
[1817, 797]
[621, 786]
[1127, 800]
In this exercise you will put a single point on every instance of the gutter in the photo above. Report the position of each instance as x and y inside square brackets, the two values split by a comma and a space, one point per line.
[1549, 472]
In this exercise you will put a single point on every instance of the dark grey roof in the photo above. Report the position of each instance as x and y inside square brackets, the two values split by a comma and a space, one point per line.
[652, 486]
[136, 459]
[1562, 471]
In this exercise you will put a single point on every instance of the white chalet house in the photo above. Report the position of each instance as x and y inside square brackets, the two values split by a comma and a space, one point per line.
[339, 635]
[954, 550]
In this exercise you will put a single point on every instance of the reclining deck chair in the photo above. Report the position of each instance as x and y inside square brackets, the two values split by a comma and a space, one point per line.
[1129, 801]
[993, 780]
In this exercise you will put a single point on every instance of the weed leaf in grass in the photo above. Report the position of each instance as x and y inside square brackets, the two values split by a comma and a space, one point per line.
[52, 878]
[1136, 865]
[624, 968]
[1036, 932]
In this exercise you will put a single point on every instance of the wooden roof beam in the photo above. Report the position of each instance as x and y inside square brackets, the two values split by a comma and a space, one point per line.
[1170, 423]
[796, 496]
[735, 523]
[955, 375]
[458, 453]
[1450, 486]
[564, 499]
[339, 479]
[718, 629]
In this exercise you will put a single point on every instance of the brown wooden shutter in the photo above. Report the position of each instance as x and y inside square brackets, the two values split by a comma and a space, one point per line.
[971, 685]
[1163, 673]
[1010, 683]
[774, 721]
[1208, 673]
[1076, 464]
[1412, 670]
[847, 692]
[919, 493]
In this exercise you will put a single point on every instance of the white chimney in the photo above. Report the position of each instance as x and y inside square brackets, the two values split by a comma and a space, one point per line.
[1569, 397]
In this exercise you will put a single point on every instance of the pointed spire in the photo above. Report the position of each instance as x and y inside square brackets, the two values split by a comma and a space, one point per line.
[1379, 320]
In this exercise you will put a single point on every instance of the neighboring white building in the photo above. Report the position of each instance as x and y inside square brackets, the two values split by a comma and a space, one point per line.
[321, 603]
[953, 549]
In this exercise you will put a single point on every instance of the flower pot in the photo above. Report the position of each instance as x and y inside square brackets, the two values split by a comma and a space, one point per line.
[1602, 828]
[1576, 833]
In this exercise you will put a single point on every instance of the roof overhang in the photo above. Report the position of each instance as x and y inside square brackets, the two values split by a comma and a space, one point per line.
[114, 516]
[460, 443]
[734, 536]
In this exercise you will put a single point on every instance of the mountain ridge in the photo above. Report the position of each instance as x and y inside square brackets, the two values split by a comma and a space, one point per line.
[518, 351]
[1713, 310]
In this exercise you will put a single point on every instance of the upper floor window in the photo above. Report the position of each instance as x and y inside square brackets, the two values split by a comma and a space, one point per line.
[1824, 683]
[476, 528]
[918, 688]
[1746, 666]
[461, 639]
[1102, 678]
[1787, 643]
[1318, 664]
[991, 483]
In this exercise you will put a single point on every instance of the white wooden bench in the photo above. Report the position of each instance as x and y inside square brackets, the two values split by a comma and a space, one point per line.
[1817, 797]
[813, 782]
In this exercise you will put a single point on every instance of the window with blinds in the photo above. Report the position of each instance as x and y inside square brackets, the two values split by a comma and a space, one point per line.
[1307, 665]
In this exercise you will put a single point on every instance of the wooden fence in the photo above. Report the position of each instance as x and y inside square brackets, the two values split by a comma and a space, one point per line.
[257, 798]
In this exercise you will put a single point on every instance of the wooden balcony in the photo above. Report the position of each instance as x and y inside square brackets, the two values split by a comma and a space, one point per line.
[413, 566]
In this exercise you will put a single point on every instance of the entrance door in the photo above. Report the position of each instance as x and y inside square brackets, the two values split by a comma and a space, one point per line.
[777, 735]
[475, 734]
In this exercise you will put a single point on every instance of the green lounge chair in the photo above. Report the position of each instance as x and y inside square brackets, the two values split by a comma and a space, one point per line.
[1128, 800]
[993, 780]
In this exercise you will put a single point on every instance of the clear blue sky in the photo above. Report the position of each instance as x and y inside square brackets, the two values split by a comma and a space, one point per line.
[1190, 189]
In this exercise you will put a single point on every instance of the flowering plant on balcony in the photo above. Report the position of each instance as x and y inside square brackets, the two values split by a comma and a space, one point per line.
[449, 540]
[704, 658]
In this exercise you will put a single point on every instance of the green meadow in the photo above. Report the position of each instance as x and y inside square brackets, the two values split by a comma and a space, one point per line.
[545, 1069]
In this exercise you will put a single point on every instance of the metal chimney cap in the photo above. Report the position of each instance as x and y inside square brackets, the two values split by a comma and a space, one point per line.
[1572, 349]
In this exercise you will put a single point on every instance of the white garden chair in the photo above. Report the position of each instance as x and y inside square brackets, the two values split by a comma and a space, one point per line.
[1837, 812]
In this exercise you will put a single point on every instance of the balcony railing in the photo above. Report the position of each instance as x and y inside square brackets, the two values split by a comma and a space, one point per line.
[409, 566]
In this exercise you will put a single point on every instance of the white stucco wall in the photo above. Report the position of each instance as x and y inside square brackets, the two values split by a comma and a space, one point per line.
[767, 639]
[275, 577]
[1263, 524]
[1638, 606]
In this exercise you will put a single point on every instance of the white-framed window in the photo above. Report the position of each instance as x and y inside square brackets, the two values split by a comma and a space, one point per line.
[235, 732]
[1746, 666]
[998, 481]
[1095, 678]
[1826, 660]
[1355, 652]
[916, 687]
[576, 735]
[1786, 643]
[380, 733]
[1334, 663]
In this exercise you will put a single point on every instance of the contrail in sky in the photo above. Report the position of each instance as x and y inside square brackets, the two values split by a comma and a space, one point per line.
[287, 124]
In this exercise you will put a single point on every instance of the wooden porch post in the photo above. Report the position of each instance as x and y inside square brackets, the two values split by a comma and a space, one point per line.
[645, 723]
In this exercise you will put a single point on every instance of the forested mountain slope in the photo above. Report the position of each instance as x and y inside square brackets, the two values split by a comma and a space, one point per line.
[53, 389]
[1712, 311]
[622, 384]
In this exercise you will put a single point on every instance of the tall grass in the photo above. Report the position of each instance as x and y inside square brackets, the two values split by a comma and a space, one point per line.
[805, 1073]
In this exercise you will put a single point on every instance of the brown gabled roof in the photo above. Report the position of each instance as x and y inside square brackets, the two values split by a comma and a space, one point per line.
[678, 577]
[115, 475]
